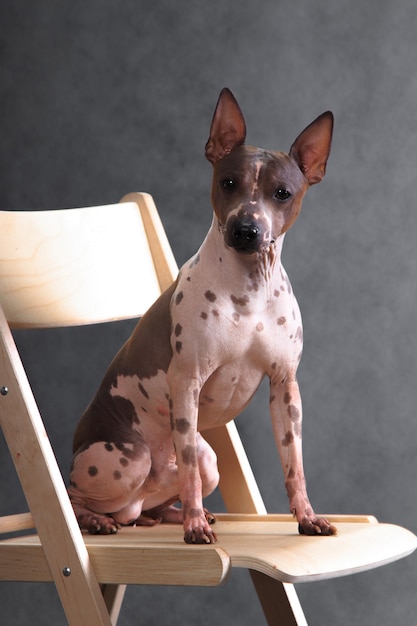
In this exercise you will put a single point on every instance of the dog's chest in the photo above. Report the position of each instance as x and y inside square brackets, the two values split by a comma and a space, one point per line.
[233, 330]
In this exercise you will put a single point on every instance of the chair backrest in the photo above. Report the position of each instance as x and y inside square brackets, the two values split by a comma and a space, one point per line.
[54, 267]
[80, 266]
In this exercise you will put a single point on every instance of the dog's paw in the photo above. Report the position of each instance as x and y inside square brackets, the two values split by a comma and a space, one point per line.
[98, 524]
[200, 534]
[316, 526]
[211, 519]
[197, 527]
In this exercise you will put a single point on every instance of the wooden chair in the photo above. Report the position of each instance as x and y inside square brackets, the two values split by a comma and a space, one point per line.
[55, 267]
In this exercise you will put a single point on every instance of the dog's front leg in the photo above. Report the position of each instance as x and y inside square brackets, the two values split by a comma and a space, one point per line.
[184, 400]
[286, 413]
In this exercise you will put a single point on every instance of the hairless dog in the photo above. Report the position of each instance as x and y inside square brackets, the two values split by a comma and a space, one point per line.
[198, 355]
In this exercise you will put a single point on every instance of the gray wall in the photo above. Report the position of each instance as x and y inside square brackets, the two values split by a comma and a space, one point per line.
[101, 98]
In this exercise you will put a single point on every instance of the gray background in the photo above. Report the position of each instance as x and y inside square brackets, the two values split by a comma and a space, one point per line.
[101, 98]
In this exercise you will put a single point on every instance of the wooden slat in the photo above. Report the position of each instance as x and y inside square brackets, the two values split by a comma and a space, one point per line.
[15, 523]
[288, 518]
[45, 492]
[125, 558]
[241, 494]
[274, 548]
[237, 485]
[163, 258]
[56, 267]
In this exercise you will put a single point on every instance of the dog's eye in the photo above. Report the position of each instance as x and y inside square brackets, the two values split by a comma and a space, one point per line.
[228, 184]
[282, 194]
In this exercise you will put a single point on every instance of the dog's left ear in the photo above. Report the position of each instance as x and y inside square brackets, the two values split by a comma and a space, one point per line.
[311, 149]
[228, 128]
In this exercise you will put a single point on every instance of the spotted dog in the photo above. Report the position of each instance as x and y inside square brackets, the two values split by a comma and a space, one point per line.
[198, 355]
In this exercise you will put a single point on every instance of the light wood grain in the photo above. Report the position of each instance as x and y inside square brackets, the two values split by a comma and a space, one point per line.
[75, 266]
[45, 491]
[159, 556]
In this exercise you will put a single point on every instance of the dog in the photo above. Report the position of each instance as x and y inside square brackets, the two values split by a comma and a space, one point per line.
[196, 358]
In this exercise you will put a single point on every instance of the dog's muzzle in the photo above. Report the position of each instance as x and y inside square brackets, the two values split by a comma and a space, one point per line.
[245, 236]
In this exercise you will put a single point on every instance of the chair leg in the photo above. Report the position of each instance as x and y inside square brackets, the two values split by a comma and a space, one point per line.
[241, 495]
[279, 601]
[113, 597]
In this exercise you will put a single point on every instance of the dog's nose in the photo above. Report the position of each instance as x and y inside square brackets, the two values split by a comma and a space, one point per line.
[245, 235]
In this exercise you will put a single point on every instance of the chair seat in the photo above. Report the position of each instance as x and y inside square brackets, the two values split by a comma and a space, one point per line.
[269, 544]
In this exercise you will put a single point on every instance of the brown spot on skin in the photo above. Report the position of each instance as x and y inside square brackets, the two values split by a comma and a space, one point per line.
[143, 390]
[188, 278]
[236, 317]
[291, 489]
[239, 301]
[203, 315]
[123, 461]
[108, 447]
[195, 260]
[179, 297]
[276, 293]
[215, 313]
[288, 439]
[117, 475]
[274, 364]
[293, 412]
[220, 259]
[211, 297]
[194, 512]
[189, 455]
[287, 397]
[259, 327]
[178, 346]
[299, 334]
[281, 321]
[92, 470]
[182, 425]
[178, 330]
[135, 453]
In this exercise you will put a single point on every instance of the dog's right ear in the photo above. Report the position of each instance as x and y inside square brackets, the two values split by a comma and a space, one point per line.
[228, 128]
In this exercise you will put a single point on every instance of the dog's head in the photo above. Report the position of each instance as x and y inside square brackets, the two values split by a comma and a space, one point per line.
[257, 194]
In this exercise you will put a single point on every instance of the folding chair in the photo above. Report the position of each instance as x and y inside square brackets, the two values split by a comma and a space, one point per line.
[55, 267]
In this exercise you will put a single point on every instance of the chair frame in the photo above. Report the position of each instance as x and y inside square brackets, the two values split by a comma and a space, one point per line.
[81, 566]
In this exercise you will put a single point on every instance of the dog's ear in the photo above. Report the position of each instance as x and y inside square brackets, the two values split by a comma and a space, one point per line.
[311, 149]
[228, 128]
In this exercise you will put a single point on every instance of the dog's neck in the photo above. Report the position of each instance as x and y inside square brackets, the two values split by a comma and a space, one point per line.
[262, 270]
